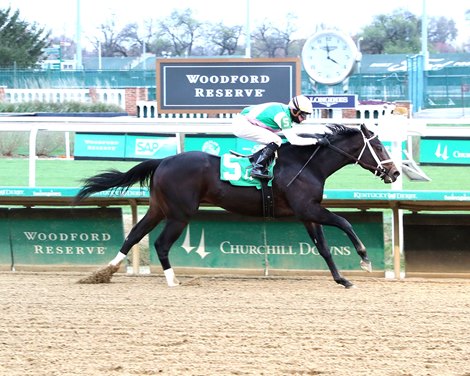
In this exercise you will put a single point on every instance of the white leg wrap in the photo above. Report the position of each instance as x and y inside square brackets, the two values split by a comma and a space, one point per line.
[118, 259]
[170, 278]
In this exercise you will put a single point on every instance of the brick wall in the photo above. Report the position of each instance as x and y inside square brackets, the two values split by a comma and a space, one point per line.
[134, 94]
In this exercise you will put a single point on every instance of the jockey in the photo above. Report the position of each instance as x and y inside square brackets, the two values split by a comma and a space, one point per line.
[261, 122]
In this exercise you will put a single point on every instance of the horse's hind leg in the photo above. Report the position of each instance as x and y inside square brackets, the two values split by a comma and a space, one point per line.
[317, 235]
[141, 228]
[171, 232]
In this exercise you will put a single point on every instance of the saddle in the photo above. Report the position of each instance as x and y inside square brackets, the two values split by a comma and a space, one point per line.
[235, 168]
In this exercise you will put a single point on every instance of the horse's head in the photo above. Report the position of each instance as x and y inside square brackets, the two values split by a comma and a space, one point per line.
[375, 158]
[362, 146]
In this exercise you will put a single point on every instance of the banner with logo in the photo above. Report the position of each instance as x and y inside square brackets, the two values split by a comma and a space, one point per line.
[150, 147]
[222, 240]
[224, 85]
[99, 145]
[220, 144]
[445, 151]
[123, 146]
[333, 101]
[65, 236]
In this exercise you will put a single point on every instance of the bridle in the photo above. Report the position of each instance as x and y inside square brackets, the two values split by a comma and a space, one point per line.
[379, 169]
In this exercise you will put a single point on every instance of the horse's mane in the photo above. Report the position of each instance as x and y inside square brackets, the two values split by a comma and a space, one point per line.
[339, 129]
[332, 131]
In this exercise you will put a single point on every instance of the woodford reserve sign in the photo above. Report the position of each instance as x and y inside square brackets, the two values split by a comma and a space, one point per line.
[224, 85]
[64, 236]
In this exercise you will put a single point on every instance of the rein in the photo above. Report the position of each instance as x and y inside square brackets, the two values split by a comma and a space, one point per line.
[305, 165]
[379, 170]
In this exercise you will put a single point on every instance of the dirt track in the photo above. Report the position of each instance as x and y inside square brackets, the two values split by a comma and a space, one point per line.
[51, 325]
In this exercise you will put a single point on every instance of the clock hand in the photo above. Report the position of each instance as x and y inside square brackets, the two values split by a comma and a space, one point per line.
[333, 60]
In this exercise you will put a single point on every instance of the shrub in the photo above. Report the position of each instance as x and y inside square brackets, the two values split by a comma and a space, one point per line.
[11, 142]
[64, 107]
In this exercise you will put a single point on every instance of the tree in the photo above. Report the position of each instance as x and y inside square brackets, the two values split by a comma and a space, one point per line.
[114, 43]
[398, 32]
[182, 30]
[270, 41]
[224, 39]
[441, 32]
[21, 43]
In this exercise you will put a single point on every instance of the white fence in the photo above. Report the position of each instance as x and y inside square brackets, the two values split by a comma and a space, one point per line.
[149, 110]
[110, 96]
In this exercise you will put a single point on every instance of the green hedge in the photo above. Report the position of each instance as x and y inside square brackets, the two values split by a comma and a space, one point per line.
[65, 107]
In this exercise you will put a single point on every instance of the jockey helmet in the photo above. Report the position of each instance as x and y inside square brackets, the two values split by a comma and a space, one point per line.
[301, 103]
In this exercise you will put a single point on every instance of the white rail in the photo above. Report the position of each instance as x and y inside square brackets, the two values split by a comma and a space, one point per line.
[179, 127]
[392, 127]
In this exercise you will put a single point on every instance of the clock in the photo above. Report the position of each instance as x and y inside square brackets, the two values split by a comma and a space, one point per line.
[329, 56]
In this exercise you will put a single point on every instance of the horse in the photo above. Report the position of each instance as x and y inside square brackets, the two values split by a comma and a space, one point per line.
[179, 184]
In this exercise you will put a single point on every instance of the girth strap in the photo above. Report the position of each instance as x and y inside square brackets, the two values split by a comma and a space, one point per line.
[268, 199]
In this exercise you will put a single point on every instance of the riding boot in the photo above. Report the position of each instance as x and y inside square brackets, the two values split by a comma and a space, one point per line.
[260, 166]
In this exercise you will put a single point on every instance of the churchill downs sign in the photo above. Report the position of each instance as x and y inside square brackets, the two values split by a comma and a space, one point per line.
[215, 239]
[224, 85]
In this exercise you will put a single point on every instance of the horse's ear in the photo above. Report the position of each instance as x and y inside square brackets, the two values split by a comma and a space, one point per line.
[366, 130]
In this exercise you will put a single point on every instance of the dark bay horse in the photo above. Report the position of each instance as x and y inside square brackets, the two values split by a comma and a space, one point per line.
[179, 184]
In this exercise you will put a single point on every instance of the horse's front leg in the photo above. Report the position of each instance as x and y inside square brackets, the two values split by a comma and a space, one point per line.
[318, 237]
[325, 217]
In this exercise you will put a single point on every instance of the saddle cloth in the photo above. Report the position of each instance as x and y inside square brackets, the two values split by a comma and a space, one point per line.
[236, 170]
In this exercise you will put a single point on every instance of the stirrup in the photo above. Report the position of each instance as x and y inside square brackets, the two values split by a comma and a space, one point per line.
[259, 174]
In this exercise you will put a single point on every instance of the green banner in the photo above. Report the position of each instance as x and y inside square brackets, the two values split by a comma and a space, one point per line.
[5, 253]
[65, 236]
[216, 145]
[219, 144]
[149, 147]
[222, 240]
[99, 145]
[445, 151]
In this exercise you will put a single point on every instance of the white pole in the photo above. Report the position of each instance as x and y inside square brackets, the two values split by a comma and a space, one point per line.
[424, 36]
[247, 31]
[32, 156]
[144, 52]
[99, 55]
[67, 145]
[78, 39]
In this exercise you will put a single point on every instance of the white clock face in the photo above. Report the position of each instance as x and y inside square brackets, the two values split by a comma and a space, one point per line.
[328, 57]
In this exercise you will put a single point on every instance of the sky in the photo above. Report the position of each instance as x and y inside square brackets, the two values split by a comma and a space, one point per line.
[349, 16]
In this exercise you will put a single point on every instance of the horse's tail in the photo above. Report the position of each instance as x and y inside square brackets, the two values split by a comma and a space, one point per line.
[115, 180]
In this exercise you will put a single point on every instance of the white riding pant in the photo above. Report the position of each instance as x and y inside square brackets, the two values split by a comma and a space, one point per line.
[244, 129]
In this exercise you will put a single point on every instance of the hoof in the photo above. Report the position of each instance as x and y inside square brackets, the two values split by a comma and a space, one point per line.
[351, 286]
[345, 283]
[174, 283]
[367, 266]
[170, 278]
